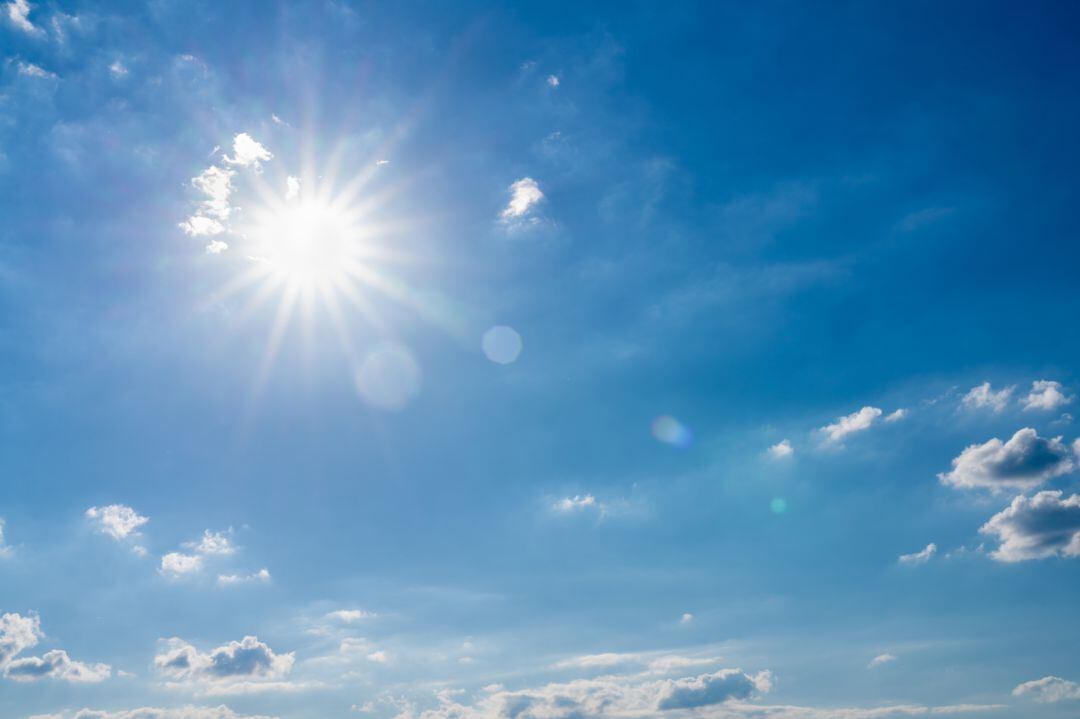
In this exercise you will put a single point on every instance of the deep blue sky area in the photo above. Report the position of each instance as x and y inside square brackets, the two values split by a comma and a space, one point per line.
[539, 361]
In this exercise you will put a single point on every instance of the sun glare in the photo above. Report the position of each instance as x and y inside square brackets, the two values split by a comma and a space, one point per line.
[306, 244]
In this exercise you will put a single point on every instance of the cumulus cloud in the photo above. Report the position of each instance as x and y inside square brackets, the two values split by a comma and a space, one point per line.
[1037, 527]
[553, 80]
[984, 397]
[225, 580]
[177, 564]
[116, 520]
[854, 422]
[216, 247]
[881, 659]
[18, 633]
[56, 664]
[577, 503]
[185, 712]
[920, 557]
[896, 415]
[1048, 690]
[248, 152]
[781, 449]
[237, 667]
[18, 14]
[199, 225]
[212, 543]
[1045, 395]
[1025, 461]
[715, 688]
[525, 194]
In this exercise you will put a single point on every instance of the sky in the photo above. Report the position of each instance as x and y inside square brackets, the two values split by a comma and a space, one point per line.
[591, 360]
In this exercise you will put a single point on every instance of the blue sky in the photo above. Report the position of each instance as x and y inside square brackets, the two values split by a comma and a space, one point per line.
[581, 361]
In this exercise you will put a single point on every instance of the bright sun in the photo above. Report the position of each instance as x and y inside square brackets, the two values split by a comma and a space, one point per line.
[310, 245]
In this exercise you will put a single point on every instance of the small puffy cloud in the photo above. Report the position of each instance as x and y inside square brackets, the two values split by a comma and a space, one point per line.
[984, 397]
[227, 580]
[177, 564]
[854, 422]
[577, 503]
[18, 633]
[56, 664]
[553, 80]
[216, 183]
[897, 415]
[245, 660]
[1048, 690]
[117, 69]
[781, 449]
[920, 557]
[1038, 527]
[248, 152]
[117, 520]
[881, 659]
[216, 247]
[292, 187]
[212, 543]
[379, 657]
[1025, 461]
[18, 14]
[686, 618]
[1045, 395]
[525, 194]
[29, 69]
[199, 225]
[710, 689]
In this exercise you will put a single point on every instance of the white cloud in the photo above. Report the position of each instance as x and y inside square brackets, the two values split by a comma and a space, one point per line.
[921, 557]
[686, 618]
[1025, 461]
[525, 194]
[5, 549]
[117, 69]
[117, 520]
[576, 503]
[348, 616]
[1048, 690]
[879, 660]
[212, 543]
[216, 183]
[18, 633]
[781, 449]
[379, 657]
[216, 247]
[176, 564]
[897, 415]
[854, 422]
[248, 152]
[292, 187]
[242, 667]
[553, 80]
[1045, 395]
[984, 396]
[199, 225]
[263, 575]
[1037, 527]
[18, 14]
[29, 69]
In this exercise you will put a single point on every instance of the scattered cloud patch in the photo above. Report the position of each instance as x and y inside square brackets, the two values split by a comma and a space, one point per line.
[1038, 527]
[711, 689]
[29, 69]
[233, 668]
[212, 543]
[577, 503]
[553, 81]
[216, 247]
[116, 520]
[18, 14]
[686, 618]
[879, 660]
[1045, 395]
[525, 195]
[920, 557]
[348, 616]
[1048, 690]
[248, 152]
[228, 580]
[781, 449]
[184, 712]
[5, 549]
[896, 415]
[178, 564]
[984, 397]
[18, 633]
[117, 69]
[850, 424]
[1025, 461]
[292, 187]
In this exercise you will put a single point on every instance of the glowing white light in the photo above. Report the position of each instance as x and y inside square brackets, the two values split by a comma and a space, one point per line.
[306, 243]
[501, 344]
